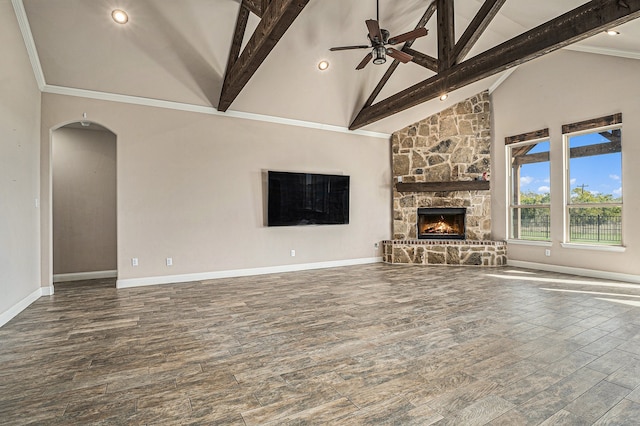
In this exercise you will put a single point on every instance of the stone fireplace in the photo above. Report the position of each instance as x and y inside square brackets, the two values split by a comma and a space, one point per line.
[453, 146]
[443, 163]
[441, 223]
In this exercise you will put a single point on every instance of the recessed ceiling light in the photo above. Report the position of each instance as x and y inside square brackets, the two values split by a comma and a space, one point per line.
[444, 97]
[323, 65]
[120, 16]
[613, 32]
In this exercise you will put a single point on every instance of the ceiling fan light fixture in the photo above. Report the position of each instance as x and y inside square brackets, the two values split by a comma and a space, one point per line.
[379, 55]
[120, 16]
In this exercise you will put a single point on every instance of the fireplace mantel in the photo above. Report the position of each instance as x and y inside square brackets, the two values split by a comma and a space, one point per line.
[462, 185]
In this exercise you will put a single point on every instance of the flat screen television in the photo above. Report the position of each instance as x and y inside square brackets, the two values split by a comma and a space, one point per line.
[307, 199]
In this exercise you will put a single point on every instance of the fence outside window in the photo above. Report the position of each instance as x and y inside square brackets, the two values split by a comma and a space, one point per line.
[535, 228]
[600, 228]
[591, 228]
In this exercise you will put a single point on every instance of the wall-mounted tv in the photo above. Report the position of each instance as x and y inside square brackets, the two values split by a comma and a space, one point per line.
[307, 199]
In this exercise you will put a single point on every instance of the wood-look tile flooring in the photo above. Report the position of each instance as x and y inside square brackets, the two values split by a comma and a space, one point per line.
[362, 345]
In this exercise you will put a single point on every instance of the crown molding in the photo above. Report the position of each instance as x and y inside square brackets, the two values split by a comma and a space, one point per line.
[603, 51]
[30, 44]
[178, 106]
[504, 77]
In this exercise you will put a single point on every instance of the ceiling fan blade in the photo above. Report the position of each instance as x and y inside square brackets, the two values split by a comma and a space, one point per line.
[411, 35]
[360, 46]
[399, 55]
[365, 61]
[374, 31]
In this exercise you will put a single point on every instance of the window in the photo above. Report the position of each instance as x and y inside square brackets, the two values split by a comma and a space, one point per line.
[530, 187]
[593, 197]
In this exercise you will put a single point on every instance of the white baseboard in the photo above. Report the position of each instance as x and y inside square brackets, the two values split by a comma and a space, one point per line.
[616, 276]
[47, 291]
[80, 276]
[172, 279]
[6, 316]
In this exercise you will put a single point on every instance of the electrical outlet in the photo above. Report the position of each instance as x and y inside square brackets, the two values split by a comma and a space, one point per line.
[293, 253]
[547, 252]
[169, 261]
[134, 261]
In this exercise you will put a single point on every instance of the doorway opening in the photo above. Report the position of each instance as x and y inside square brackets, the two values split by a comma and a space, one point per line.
[84, 197]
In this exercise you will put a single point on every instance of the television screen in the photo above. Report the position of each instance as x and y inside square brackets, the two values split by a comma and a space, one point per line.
[307, 199]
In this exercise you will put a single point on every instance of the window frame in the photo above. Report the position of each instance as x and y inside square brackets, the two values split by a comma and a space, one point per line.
[510, 144]
[566, 196]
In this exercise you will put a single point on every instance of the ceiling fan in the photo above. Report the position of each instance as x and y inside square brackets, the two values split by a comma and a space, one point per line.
[379, 39]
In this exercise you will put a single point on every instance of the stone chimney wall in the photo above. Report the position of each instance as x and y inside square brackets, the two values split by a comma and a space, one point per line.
[453, 145]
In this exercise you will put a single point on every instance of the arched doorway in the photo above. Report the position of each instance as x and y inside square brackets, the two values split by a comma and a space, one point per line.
[83, 194]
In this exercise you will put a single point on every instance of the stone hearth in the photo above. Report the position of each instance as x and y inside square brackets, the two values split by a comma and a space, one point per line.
[432, 252]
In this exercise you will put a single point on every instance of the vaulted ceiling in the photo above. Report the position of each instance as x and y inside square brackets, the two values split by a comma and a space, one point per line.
[177, 51]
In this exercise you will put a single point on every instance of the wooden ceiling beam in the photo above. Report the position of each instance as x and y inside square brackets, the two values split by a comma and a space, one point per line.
[597, 149]
[387, 75]
[238, 35]
[426, 16]
[577, 152]
[275, 21]
[539, 157]
[612, 135]
[429, 62]
[255, 6]
[582, 22]
[480, 22]
[383, 81]
[446, 34]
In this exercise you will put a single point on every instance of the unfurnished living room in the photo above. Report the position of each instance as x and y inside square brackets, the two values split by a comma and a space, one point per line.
[278, 212]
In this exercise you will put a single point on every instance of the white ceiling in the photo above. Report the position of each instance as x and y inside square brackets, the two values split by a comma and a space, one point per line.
[177, 51]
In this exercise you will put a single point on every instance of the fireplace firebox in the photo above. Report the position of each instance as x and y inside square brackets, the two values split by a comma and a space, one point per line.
[441, 223]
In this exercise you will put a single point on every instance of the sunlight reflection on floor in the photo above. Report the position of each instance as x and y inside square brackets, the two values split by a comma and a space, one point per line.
[568, 281]
[622, 301]
[590, 292]
[620, 298]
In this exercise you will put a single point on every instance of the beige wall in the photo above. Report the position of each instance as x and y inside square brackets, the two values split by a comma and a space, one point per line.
[19, 148]
[561, 88]
[190, 187]
[84, 200]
